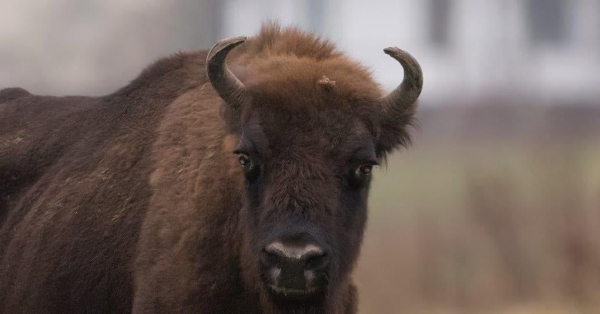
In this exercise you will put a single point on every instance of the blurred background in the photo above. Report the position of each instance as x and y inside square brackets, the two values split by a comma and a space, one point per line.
[496, 206]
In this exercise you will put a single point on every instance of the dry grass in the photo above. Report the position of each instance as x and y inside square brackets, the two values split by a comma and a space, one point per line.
[505, 226]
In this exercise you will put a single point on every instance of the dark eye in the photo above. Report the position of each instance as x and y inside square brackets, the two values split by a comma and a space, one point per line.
[360, 175]
[365, 169]
[244, 160]
[249, 166]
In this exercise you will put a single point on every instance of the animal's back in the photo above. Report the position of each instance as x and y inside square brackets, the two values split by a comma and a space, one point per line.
[74, 187]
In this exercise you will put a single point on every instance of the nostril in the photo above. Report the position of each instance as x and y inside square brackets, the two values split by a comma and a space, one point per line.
[270, 258]
[317, 262]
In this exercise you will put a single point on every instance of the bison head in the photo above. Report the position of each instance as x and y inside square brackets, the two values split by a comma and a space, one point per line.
[310, 128]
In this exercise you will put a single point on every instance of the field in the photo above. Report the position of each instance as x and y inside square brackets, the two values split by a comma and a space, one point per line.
[492, 210]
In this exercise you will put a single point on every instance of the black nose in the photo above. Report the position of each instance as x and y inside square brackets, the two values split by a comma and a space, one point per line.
[308, 256]
[295, 266]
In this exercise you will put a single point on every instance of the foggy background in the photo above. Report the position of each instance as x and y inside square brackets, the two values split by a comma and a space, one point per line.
[496, 206]
[542, 49]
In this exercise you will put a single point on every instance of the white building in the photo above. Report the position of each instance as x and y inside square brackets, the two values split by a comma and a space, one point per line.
[470, 50]
[544, 50]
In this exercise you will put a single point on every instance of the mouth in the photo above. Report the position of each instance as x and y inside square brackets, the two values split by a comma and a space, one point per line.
[294, 293]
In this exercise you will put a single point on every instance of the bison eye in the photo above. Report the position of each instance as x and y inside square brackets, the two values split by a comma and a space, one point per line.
[244, 160]
[360, 175]
[250, 168]
[365, 169]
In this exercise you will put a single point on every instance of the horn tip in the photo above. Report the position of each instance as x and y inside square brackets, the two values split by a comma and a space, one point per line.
[393, 51]
[238, 39]
[231, 42]
[225, 44]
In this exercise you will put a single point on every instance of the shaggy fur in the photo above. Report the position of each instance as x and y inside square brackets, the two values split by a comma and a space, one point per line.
[135, 202]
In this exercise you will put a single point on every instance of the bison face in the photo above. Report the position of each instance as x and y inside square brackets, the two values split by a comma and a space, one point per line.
[307, 147]
[307, 178]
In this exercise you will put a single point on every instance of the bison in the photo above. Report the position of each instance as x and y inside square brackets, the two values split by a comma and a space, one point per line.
[233, 180]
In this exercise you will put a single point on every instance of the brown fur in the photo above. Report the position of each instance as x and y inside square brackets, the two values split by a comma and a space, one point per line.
[134, 202]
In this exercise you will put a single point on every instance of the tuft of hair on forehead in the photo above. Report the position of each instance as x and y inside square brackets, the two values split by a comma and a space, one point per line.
[286, 66]
[273, 40]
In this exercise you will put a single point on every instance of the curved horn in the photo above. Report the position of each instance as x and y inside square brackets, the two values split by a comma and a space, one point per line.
[407, 93]
[224, 82]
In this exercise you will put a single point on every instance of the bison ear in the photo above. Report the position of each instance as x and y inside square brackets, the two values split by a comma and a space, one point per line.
[400, 105]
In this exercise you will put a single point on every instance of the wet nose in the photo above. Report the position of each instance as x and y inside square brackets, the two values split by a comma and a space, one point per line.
[307, 256]
[297, 266]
